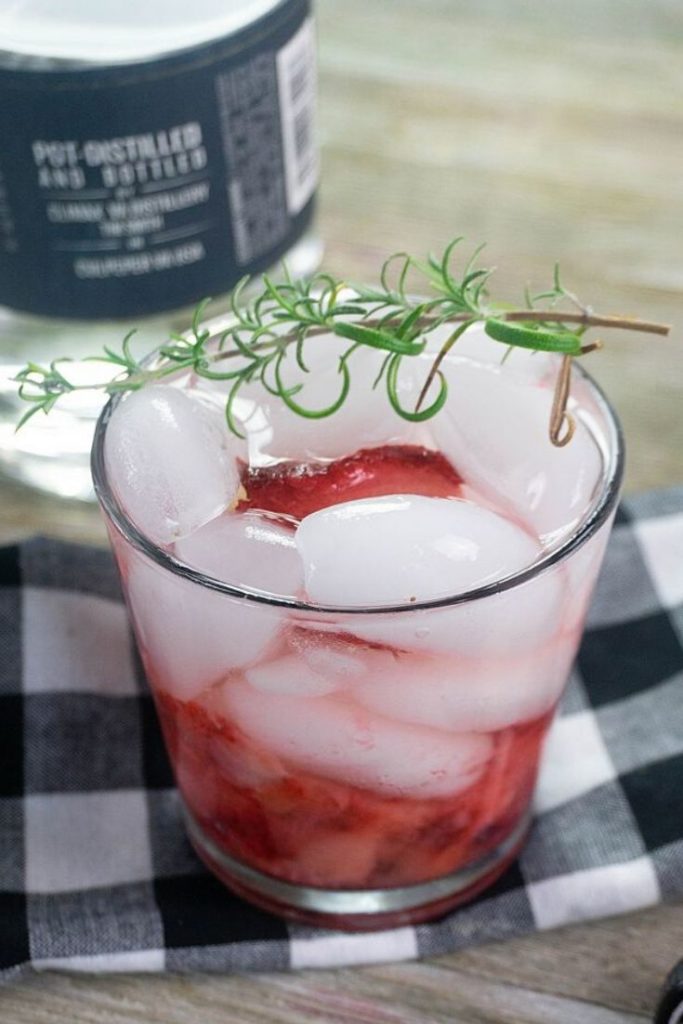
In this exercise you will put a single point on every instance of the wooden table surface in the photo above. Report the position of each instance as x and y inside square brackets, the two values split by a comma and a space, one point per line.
[550, 131]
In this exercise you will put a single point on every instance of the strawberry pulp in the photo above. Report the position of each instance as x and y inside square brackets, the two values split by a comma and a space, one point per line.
[284, 819]
[315, 831]
[298, 489]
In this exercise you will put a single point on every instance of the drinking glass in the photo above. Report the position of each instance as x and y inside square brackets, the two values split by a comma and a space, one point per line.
[380, 769]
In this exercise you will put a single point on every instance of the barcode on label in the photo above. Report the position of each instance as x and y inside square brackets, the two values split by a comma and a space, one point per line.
[296, 72]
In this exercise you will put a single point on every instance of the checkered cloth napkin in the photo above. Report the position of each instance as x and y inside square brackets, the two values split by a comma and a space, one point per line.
[95, 870]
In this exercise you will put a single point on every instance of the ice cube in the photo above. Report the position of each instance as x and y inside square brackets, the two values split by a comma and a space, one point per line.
[468, 694]
[289, 675]
[365, 419]
[505, 623]
[246, 550]
[338, 741]
[170, 461]
[333, 657]
[192, 636]
[494, 430]
[406, 548]
[476, 346]
[315, 664]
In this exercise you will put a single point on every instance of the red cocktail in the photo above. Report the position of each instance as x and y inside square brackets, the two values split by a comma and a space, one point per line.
[356, 639]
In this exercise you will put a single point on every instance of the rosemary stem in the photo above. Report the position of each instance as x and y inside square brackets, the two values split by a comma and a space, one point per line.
[386, 318]
[528, 315]
[587, 320]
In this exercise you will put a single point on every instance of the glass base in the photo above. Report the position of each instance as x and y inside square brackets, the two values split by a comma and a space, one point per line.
[53, 453]
[357, 910]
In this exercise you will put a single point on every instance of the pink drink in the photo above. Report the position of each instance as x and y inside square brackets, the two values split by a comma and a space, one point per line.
[361, 762]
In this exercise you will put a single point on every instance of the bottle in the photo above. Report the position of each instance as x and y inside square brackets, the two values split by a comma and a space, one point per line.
[670, 1002]
[153, 154]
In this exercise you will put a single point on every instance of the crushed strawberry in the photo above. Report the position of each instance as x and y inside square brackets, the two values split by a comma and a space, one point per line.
[295, 825]
[296, 489]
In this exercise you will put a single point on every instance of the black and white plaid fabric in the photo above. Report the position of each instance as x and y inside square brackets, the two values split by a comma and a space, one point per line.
[95, 871]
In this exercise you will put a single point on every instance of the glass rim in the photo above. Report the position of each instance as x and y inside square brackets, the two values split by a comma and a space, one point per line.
[598, 514]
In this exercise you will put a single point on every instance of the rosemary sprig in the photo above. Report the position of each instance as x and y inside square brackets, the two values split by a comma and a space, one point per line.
[279, 323]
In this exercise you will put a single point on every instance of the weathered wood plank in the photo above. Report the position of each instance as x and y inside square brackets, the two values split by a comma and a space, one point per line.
[619, 963]
[604, 972]
[405, 994]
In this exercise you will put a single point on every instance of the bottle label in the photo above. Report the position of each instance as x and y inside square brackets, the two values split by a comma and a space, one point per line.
[131, 189]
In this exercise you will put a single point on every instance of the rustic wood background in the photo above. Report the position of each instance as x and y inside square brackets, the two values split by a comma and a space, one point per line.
[550, 130]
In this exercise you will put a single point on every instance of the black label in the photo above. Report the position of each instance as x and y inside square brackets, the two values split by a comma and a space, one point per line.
[127, 190]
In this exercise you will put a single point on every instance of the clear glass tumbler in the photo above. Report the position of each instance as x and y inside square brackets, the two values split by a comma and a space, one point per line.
[397, 781]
